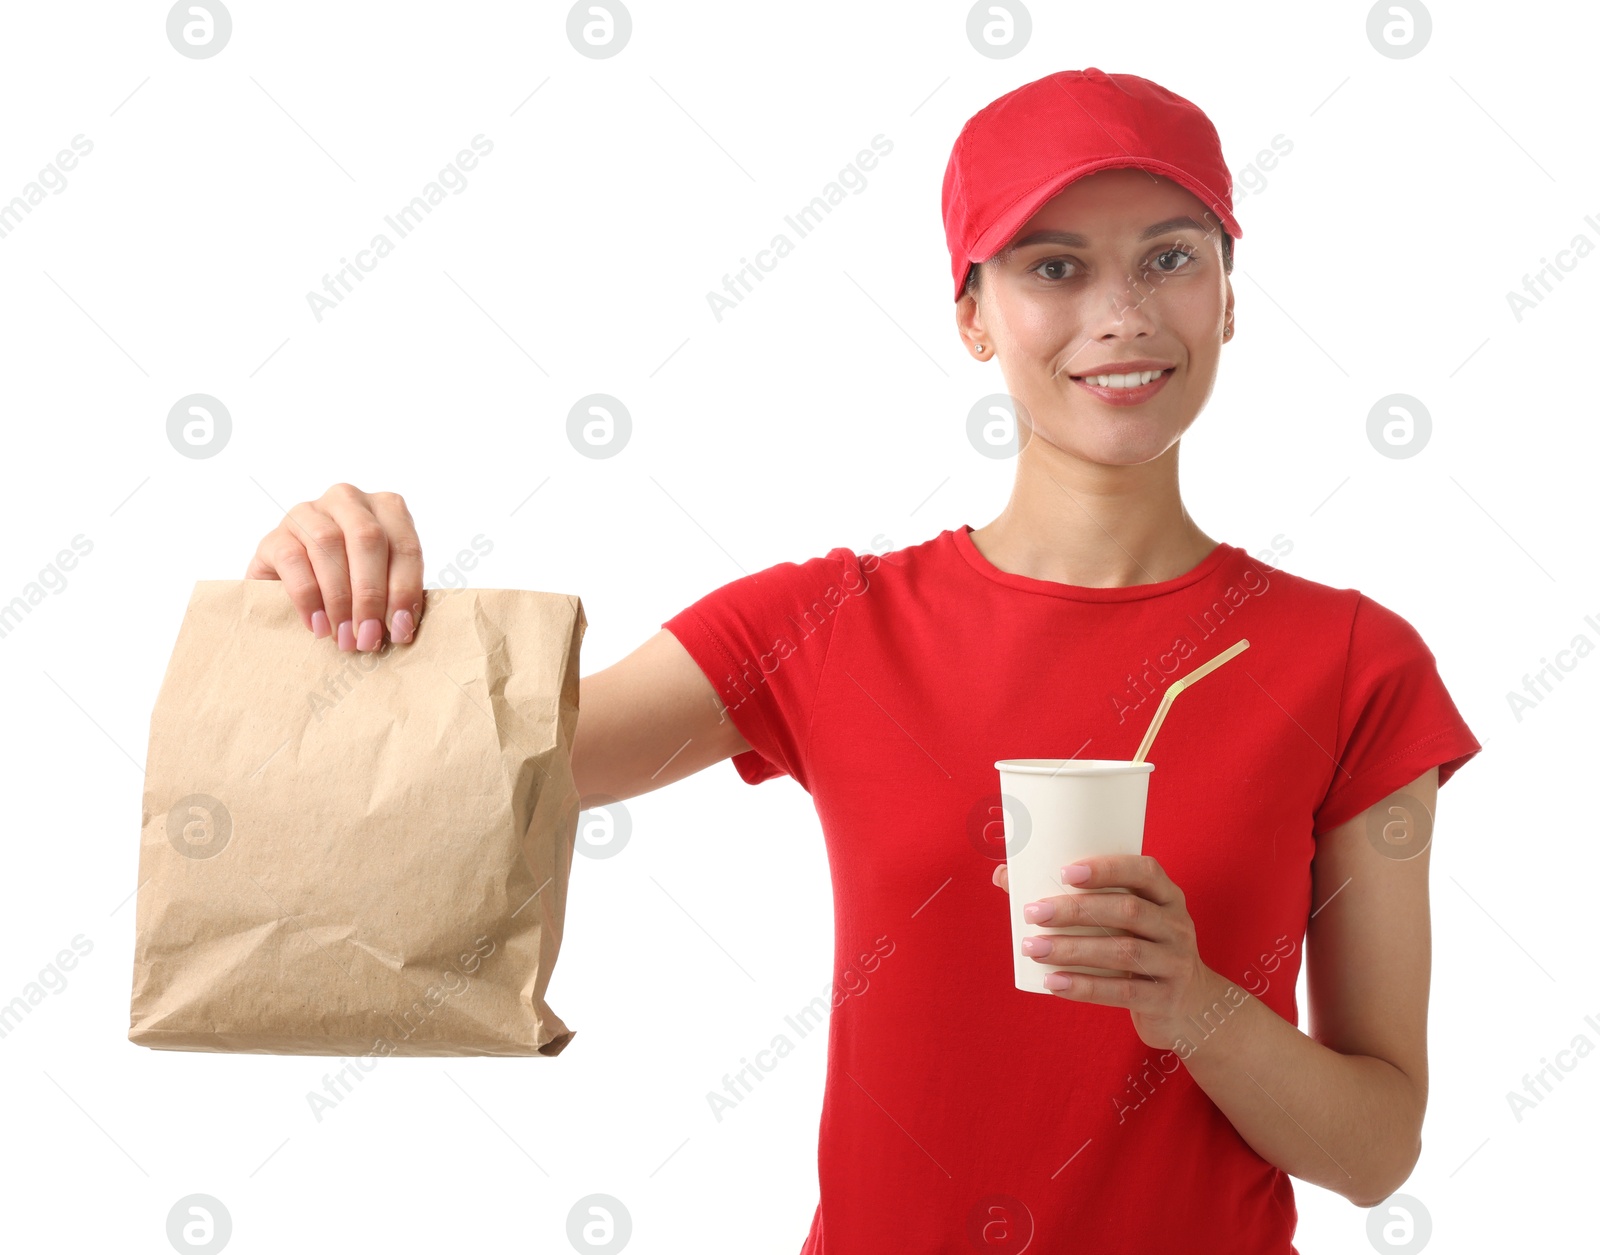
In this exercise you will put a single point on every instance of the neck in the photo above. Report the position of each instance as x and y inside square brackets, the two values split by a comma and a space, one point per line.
[1091, 525]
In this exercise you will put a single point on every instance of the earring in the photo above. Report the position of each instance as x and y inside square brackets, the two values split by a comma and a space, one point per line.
[979, 347]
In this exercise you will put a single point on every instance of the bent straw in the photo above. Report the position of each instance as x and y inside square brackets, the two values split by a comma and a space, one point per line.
[1177, 686]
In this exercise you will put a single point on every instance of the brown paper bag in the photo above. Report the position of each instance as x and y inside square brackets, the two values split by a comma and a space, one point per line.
[358, 854]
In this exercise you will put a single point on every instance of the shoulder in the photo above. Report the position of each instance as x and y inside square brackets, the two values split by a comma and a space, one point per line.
[852, 570]
[799, 592]
[831, 575]
[1365, 623]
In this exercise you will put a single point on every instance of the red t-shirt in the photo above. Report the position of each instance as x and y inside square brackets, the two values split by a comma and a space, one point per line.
[960, 1112]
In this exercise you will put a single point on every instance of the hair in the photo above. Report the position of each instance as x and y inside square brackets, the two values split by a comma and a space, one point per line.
[976, 269]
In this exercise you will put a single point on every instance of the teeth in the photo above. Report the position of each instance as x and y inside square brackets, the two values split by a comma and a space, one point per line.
[1135, 380]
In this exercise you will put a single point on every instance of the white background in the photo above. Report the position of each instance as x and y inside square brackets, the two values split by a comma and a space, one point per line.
[828, 408]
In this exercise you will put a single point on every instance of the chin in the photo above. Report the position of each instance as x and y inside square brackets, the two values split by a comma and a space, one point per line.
[1118, 441]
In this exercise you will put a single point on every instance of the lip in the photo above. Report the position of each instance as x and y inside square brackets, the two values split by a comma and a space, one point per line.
[1127, 396]
[1124, 368]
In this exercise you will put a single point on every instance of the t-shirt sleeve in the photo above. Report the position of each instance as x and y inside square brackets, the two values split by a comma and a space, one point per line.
[1396, 718]
[763, 640]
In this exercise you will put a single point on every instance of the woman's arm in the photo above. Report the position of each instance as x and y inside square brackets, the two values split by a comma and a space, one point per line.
[1342, 1108]
[649, 720]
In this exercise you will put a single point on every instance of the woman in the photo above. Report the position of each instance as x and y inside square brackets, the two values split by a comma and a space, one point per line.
[1091, 231]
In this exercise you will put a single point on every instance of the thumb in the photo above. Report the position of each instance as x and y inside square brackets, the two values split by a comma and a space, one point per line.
[999, 877]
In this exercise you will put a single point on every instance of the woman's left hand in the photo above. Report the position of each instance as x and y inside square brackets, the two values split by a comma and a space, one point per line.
[1168, 984]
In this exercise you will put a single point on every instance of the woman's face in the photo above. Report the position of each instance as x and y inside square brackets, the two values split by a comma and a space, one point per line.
[1085, 286]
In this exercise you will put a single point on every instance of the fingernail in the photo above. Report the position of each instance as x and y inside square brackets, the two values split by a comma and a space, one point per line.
[1075, 873]
[1035, 945]
[370, 636]
[347, 638]
[319, 624]
[401, 626]
[1035, 912]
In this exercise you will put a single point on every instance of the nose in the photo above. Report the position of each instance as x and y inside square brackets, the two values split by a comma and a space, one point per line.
[1121, 307]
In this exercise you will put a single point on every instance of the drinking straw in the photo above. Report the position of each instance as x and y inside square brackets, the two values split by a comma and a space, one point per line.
[1178, 685]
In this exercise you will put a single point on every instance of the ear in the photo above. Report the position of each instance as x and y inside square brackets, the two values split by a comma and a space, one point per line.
[970, 323]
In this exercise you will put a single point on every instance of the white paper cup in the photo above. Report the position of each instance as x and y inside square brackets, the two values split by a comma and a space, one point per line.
[1057, 811]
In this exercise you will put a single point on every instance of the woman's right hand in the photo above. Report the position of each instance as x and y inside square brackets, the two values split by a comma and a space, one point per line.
[351, 562]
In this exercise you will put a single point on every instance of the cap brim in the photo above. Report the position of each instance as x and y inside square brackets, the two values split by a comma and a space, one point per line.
[1011, 221]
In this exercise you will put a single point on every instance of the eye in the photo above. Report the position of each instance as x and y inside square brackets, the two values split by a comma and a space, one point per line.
[1183, 253]
[1044, 269]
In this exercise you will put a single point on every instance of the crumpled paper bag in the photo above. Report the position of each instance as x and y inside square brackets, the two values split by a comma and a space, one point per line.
[358, 854]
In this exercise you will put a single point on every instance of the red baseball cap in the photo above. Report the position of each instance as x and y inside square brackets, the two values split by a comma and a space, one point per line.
[1017, 152]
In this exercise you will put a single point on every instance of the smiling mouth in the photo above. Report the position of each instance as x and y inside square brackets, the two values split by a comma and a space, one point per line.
[1134, 379]
[1125, 391]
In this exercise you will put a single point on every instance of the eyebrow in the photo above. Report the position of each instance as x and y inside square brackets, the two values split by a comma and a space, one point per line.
[1072, 240]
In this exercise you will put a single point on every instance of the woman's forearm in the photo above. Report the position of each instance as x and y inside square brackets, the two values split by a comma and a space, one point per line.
[1349, 1123]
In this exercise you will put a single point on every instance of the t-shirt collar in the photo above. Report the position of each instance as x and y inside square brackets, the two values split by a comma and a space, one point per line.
[961, 538]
